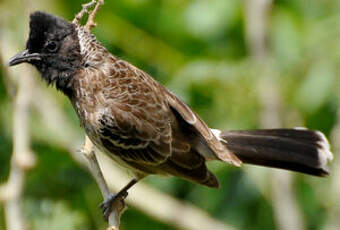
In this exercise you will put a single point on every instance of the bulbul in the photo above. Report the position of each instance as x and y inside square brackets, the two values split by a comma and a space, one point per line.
[143, 126]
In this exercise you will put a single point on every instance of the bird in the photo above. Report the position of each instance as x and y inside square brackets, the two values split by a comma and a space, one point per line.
[142, 125]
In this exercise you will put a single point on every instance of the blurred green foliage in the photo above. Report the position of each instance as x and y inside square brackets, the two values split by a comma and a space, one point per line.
[198, 50]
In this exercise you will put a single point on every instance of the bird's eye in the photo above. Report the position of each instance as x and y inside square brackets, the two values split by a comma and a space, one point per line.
[52, 46]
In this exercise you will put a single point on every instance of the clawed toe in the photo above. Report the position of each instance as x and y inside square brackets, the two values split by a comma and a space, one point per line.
[108, 203]
[106, 207]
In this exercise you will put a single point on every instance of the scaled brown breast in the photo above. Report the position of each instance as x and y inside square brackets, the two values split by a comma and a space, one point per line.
[131, 117]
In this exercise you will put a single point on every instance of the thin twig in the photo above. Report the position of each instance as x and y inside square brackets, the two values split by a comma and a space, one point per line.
[90, 21]
[84, 10]
[332, 200]
[88, 147]
[163, 207]
[22, 157]
[118, 209]
[92, 13]
[285, 206]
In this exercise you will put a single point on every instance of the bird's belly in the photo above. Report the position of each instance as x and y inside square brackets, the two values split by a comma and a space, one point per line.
[90, 123]
[138, 169]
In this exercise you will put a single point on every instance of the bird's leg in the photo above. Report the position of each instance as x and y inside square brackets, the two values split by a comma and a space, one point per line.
[108, 203]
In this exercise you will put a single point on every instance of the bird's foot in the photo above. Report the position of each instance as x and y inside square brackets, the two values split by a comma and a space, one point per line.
[107, 205]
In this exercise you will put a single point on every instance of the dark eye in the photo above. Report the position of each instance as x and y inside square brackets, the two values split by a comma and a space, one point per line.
[52, 46]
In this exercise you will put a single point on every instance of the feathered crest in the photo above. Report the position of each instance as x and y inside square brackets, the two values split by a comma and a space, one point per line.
[44, 26]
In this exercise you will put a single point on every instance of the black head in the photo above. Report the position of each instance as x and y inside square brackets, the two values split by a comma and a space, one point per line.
[52, 47]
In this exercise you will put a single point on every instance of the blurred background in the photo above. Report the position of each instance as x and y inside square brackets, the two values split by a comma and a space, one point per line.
[239, 64]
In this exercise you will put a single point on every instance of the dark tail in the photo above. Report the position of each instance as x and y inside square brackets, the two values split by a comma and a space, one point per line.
[298, 149]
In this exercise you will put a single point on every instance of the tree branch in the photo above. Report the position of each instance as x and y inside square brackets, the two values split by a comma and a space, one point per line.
[90, 21]
[22, 157]
[163, 208]
[84, 10]
[286, 209]
[92, 13]
[88, 147]
[333, 188]
[118, 209]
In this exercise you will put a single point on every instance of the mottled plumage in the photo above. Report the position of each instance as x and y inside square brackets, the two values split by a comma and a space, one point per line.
[141, 125]
[134, 119]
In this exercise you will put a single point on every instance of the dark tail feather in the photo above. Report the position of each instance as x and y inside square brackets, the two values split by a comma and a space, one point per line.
[298, 149]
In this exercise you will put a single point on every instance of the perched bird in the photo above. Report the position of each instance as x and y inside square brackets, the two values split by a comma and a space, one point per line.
[143, 126]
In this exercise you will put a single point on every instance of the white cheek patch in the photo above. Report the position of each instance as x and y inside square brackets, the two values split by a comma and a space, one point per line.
[82, 43]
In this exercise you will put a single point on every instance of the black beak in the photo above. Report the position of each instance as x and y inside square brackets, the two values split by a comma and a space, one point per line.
[24, 56]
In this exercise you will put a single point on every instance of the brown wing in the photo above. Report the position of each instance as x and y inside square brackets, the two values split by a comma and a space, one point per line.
[130, 145]
[141, 109]
[136, 124]
[207, 138]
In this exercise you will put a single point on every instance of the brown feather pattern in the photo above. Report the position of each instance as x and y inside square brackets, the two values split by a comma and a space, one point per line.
[143, 126]
[130, 116]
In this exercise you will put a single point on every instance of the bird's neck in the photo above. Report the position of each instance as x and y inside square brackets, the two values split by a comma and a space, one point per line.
[92, 52]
